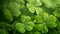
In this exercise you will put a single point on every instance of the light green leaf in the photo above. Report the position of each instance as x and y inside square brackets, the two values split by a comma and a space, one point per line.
[42, 27]
[38, 19]
[52, 18]
[29, 25]
[45, 15]
[20, 27]
[38, 10]
[30, 7]
[28, 28]
[25, 18]
[34, 2]
[39, 27]
[51, 24]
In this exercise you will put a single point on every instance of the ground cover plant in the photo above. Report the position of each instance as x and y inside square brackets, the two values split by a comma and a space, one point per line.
[29, 16]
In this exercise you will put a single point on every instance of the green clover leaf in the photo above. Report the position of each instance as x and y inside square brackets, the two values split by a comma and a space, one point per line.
[34, 2]
[30, 7]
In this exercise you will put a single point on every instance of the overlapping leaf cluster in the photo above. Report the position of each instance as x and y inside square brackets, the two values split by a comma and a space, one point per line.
[29, 16]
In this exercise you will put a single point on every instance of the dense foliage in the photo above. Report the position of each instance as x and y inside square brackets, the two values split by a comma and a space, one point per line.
[29, 16]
